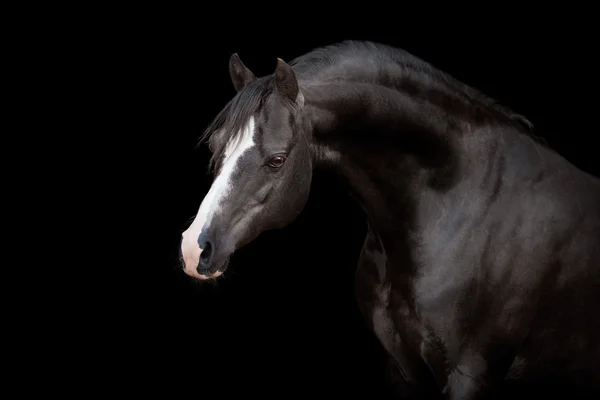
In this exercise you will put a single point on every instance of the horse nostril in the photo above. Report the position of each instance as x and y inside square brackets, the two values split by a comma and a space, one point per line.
[205, 255]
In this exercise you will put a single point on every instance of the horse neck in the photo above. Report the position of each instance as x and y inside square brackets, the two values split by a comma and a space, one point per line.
[393, 151]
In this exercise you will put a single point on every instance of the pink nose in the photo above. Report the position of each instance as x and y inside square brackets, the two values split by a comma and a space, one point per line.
[190, 252]
[196, 260]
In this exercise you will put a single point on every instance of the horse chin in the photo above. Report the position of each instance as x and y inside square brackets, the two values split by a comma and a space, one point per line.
[214, 273]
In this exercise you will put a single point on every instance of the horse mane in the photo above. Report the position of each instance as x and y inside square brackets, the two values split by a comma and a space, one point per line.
[368, 59]
[321, 63]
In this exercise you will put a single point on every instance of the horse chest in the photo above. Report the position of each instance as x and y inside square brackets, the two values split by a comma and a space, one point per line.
[373, 291]
[372, 295]
[393, 320]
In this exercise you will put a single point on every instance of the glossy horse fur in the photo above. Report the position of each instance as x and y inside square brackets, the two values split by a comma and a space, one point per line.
[481, 267]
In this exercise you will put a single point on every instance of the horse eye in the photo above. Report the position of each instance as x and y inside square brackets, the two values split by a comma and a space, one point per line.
[277, 161]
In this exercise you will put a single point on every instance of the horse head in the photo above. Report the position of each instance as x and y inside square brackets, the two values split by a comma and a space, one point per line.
[262, 168]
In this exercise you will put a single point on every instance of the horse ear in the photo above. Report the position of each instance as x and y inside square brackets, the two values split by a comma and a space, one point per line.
[286, 81]
[239, 73]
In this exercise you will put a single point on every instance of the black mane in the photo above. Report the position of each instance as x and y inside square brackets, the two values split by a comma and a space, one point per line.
[368, 61]
[363, 61]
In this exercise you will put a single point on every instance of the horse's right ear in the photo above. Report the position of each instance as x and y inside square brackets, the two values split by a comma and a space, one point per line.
[240, 74]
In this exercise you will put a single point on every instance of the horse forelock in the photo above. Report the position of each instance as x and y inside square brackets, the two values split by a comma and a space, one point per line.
[234, 117]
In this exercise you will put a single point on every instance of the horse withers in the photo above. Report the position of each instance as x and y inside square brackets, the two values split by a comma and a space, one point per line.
[481, 265]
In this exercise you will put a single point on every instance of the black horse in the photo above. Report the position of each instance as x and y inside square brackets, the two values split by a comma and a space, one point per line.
[481, 266]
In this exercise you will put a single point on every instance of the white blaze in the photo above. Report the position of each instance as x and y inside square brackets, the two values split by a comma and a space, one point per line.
[235, 149]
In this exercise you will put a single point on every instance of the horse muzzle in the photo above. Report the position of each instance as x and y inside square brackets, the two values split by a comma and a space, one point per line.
[200, 257]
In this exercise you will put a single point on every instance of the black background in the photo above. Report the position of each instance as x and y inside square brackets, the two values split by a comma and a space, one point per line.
[282, 319]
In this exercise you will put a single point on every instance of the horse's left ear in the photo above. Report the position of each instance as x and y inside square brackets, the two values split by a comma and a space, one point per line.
[287, 84]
